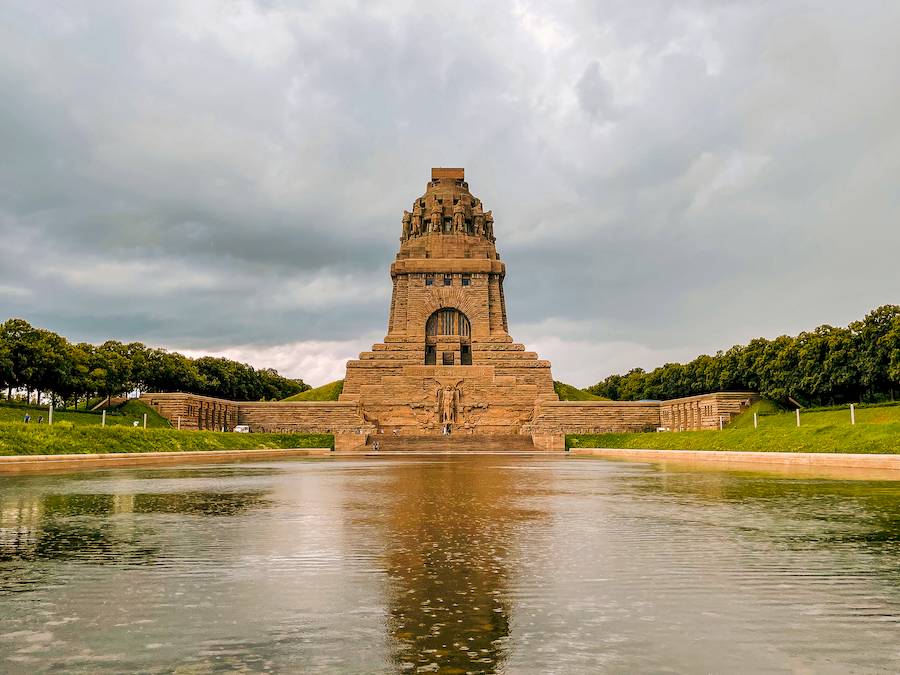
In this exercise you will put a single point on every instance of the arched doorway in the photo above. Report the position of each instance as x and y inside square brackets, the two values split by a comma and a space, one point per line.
[449, 331]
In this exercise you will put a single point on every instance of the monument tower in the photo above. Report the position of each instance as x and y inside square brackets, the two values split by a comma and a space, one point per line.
[448, 363]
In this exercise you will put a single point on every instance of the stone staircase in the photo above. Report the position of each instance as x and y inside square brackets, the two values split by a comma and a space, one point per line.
[453, 442]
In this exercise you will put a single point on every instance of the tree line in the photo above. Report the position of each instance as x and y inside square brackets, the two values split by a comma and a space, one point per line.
[826, 366]
[39, 361]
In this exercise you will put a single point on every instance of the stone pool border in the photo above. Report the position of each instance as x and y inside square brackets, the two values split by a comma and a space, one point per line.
[23, 463]
[843, 460]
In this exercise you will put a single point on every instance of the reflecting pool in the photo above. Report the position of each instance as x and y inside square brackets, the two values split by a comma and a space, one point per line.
[455, 564]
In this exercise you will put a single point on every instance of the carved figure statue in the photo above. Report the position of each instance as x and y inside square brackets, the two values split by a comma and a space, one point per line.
[449, 398]
[406, 225]
[437, 217]
[417, 219]
[478, 217]
[459, 218]
[489, 225]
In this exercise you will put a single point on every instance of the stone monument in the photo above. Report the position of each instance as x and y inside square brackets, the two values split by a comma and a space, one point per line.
[448, 374]
[448, 363]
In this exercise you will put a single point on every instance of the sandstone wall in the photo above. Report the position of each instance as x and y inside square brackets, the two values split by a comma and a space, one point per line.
[704, 411]
[193, 412]
[555, 419]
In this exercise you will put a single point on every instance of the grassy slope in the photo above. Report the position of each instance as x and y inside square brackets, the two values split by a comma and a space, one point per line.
[124, 415]
[19, 439]
[567, 392]
[327, 392]
[877, 429]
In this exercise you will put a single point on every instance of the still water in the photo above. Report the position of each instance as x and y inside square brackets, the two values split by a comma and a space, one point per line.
[448, 564]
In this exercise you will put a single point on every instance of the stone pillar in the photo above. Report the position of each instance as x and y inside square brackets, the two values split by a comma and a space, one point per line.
[495, 317]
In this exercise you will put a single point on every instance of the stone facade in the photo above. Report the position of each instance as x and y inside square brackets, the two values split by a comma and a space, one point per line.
[448, 361]
[448, 364]
[555, 419]
[193, 412]
[203, 413]
[703, 412]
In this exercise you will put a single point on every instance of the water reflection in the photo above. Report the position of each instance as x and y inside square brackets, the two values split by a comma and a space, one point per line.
[448, 564]
[96, 527]
[451, 536]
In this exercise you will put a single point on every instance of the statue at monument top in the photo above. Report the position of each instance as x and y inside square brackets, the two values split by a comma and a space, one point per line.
[437, 217]
[489, 225]
[478, 217]
[406, 225]
[416, 219]
[448, 208]
[459, 217]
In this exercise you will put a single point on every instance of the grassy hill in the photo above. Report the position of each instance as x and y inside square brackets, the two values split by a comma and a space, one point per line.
[877, 430]
[80, 432]
[771, 416]
[61, 439]
[567, 392]
[327, 392]
[123, 415]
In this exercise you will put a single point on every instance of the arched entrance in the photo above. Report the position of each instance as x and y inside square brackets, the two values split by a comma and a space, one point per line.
[449, 332]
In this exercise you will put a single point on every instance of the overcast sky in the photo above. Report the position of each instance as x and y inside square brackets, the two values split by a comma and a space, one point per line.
[668, 178]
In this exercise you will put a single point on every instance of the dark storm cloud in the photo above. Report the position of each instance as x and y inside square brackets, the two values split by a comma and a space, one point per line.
[667, 178]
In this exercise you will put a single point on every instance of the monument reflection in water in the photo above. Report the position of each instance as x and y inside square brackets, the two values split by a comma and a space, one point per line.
[451, 537]
[448, 564]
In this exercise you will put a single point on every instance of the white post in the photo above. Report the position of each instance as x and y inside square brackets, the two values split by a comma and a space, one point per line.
[720, 423]
[179, 424]
[103, 419]
[852, 414]
[145, 420]
[798, 417]
[755, 421]
[50, 417]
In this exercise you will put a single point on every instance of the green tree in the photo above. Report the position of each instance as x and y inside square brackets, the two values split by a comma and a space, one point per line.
[874, 347]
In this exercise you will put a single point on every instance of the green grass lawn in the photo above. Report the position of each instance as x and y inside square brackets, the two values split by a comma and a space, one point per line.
[20, 439]
[327, 392]
[772, 417]
[123, 415]
[877, 430]
[80, 433]
[567, 392]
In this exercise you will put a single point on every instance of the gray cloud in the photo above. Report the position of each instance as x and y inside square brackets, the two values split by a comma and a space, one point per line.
[667, 178]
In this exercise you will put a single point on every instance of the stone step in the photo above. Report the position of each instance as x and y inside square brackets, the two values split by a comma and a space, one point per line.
[454, 442]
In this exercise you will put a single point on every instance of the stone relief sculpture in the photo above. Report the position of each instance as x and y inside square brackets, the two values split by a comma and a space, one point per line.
[407, 233]
[489, 225]
[417, 219]
[447, 404]
[459, 218]
[437, 217]
[478, 217]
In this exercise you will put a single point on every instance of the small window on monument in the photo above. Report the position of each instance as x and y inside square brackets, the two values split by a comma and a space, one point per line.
[465, 356]
[429, 279]
[466, 279]
[448, 280]
[448, 358]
